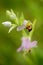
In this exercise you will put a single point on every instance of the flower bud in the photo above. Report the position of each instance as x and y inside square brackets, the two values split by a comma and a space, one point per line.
[7, 23]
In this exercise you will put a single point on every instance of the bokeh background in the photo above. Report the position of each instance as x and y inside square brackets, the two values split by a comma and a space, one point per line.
[10, 42]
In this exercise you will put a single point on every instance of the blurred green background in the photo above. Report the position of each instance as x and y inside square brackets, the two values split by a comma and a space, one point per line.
[10, 42]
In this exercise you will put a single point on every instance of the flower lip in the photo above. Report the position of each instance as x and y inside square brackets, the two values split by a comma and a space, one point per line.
[26, 24]
[29, 28]
[22, 26]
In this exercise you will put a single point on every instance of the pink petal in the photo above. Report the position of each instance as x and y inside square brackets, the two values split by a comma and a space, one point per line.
[33, 44]
[25, 42]
[19, 49]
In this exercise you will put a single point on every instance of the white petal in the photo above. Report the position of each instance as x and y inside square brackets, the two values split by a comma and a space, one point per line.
[11, 28]
[7, 23]
[25, 22]
[20, 27]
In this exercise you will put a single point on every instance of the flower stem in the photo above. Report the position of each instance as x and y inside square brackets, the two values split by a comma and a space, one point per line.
[33, 28]
[24, 33]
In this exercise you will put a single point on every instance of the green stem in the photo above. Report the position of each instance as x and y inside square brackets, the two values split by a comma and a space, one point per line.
[33, 28]
[24, 33]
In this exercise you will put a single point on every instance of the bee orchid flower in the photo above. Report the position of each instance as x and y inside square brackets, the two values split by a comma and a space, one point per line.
[27, 44]
[26, 24]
